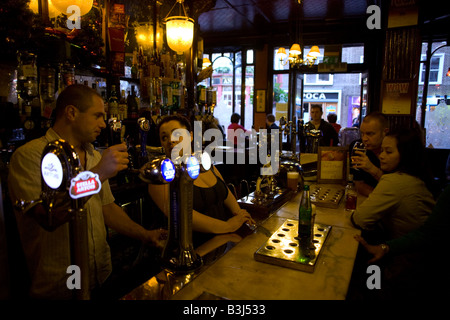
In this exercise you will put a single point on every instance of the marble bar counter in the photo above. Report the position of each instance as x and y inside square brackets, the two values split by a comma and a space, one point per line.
[236, 275]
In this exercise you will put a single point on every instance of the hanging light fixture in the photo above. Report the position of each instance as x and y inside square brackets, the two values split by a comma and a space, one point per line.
[295, 52]
[52, 11]
[295, 56]
[179, 30]
[84, 5]
[145, 35]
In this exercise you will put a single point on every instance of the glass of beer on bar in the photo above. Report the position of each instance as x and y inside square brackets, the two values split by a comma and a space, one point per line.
[358, 146]
[292, 180]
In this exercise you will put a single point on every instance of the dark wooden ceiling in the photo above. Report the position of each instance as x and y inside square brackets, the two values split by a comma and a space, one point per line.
[228, 23]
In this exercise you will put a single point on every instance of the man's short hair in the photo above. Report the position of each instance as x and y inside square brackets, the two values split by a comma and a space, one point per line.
[332, 117]
[378, 116]
[78, 95]
[235, 117]
[318, 106]
[270, 118]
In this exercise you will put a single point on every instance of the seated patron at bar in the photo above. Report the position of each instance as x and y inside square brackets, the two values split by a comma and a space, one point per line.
[366, 167]
[429, 240]
[401, 201]
[79, 120]
[215, 209]
[329, 135]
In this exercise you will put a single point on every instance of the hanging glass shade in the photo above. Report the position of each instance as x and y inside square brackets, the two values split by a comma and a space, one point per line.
[145, 36]
[179, 29]
[84, 5]
[179, 33]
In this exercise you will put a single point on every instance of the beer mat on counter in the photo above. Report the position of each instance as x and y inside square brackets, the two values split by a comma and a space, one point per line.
[283, 247]
[326, 195]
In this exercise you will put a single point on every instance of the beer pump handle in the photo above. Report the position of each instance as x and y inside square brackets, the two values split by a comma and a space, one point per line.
[144, 127]
[115, 131]
[23, 206]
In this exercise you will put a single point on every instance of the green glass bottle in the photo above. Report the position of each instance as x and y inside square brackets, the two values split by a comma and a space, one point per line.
[304, 216]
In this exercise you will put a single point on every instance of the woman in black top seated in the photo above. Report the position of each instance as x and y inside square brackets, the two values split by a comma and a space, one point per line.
[215, 209]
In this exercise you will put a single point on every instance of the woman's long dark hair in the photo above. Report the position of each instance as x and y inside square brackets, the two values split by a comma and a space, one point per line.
[412, 154]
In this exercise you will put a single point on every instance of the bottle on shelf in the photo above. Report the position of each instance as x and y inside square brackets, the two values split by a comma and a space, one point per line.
[123, 107]
[350, 194]
[167, 98]
[27, 82]
[176, 94]
[134, 66]
[47, 89]
[132, 104]
[305, 215]
[113, 103]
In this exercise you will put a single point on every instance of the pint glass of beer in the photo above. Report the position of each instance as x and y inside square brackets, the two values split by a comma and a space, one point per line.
[292, 180]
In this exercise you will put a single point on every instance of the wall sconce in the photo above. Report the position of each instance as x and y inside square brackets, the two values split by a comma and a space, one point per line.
[206, 63]
[295, 57]
[448, 73]
[179, 30]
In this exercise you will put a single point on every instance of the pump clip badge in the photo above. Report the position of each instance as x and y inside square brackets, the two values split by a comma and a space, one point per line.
[85, 184]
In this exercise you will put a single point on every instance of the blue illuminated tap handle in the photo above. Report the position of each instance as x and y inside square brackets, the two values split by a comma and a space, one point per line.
[178, 253]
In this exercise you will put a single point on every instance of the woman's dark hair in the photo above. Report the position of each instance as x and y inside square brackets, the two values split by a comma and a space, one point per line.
[235, 118]
[181, 119]
[412, 153]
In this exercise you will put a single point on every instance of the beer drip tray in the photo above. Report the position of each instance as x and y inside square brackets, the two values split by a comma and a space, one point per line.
[283, 248]
[326, 195]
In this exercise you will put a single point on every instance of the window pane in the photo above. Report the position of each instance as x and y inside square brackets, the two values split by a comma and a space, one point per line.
[238, 88]
[223, 83]
[280, 95]
[433, 76]
[353, 54]
[434, 63]
[310, 78]
[249, 79]
[249, 56]
[324, 77]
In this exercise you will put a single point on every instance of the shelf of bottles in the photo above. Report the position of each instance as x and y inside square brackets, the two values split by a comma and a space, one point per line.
[162, 82]
[37, 87]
